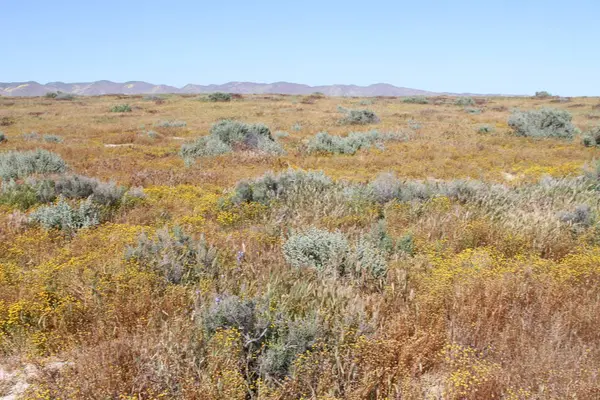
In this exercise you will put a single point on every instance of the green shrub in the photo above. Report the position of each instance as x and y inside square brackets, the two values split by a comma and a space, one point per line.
[175, 256]
[325, 251]
[63, 216]
[227, 136]
[471, 110]
[464, 101]
[543, 94]
[416, 100]
[486, 129]
[20, 164]
[283, 186]
[358, 117]
[219, 96]
[322, 142]
[152, 134]
[2, 137]
[368, 259]
[547, 122]
[121, 108]
[281, 134]
[51, 95]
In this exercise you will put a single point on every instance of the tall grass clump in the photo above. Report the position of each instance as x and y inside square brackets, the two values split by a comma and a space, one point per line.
[175, 256]
[284, 186]
[464, 101]
[219, 96]
[121, 108]
[325, 143]
[544, 123]
[358, 117]
[63, 216]
[227, 136]
[416, 100]
[20, 164]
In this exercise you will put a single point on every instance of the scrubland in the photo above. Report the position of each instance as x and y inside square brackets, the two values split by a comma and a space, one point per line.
[307, 247]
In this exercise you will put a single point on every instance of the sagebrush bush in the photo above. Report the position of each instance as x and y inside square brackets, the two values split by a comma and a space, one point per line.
[170, 124]
[464, 101]
[227, 136]
[543, 94]
[51, 95]
[284, 186]
[592, 137]
[358, 117]
[53, 139]
[18, 196]
[325, 251]
[293, 338]
[78, 187]
[323, 142]
[31, 136]
[2, 137]
[219, 96]
[471, 110]
[63, 216]
[175, 256]
[230, 311]
[20, 164]
[121, 108]
[416, 100]
[582, 215]
[544, 123]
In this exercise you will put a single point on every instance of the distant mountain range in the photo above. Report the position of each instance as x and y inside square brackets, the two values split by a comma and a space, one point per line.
[136, 87]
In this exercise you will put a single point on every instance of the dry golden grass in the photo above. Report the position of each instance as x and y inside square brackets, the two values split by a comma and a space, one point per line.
[487, 307]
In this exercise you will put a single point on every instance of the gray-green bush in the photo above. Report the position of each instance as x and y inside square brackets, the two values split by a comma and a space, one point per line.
[284, 186]
[121, 108]
[170, 124]
[219, 96]
[416, 100]
[63, 216]
[2, 137]
[464, 101]
[485, 129]
[542, 94]
[175, 256]
[325, 251]
[323, 142]
[592, 137]
[358, 117]
[20, 164]
[544, 123]
[227, 136]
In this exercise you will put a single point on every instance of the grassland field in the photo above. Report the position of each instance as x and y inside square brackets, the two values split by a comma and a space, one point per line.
[487, 283]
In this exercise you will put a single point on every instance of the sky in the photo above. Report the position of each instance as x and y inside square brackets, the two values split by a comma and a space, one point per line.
[483, 46]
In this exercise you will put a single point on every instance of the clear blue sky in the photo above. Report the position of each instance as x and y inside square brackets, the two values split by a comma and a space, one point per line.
[495, 46]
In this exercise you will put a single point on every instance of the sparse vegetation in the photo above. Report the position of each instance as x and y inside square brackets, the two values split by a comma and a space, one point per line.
[543, 94]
